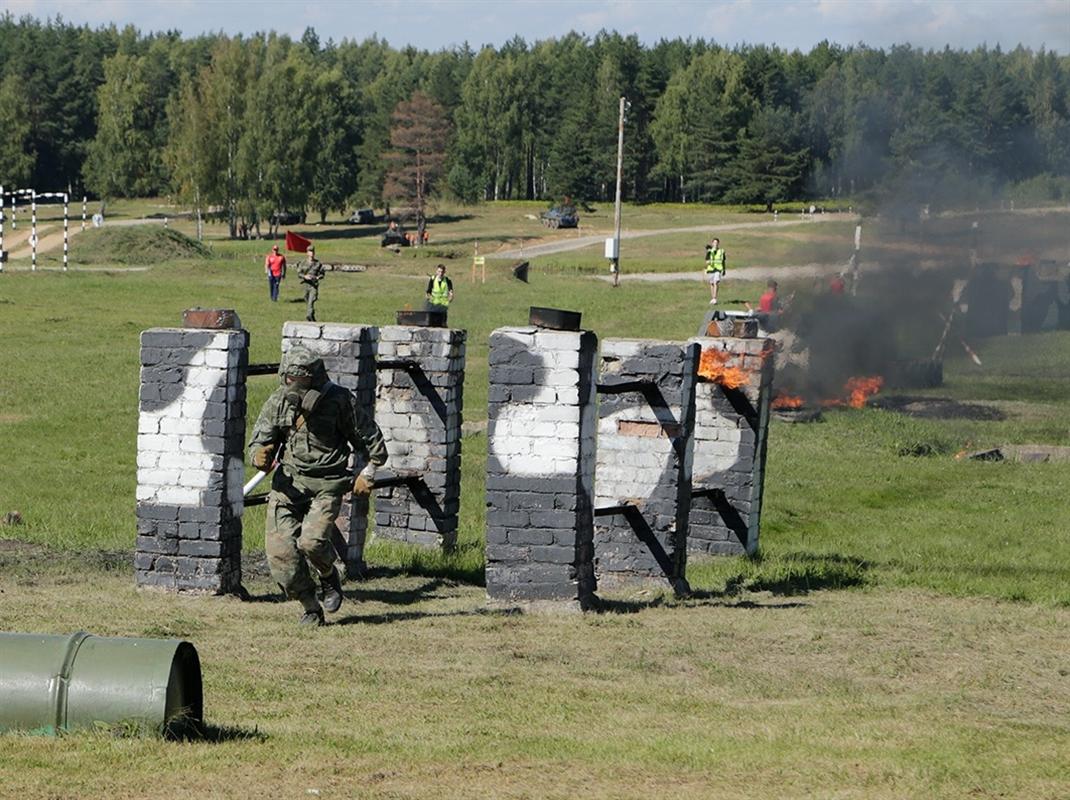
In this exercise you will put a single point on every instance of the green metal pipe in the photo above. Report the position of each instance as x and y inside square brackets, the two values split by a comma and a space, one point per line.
[56, 683]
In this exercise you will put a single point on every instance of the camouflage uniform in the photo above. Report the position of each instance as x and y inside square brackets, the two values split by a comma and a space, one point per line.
[318, 435]
[311, 275]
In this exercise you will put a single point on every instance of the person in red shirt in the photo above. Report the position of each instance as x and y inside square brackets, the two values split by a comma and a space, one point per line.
[768, 312]
[837, 286]
[768, 303]
[275, 267]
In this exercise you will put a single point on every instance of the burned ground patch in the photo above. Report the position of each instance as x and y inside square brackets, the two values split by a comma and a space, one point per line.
[937, 408]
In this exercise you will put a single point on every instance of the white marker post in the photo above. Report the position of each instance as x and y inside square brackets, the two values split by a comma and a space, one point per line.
[33, 231]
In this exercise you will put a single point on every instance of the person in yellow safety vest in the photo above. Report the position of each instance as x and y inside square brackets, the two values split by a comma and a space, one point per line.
[439, 288]
[715, 267]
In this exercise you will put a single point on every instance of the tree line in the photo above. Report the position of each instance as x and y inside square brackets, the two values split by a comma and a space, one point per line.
[253, 125]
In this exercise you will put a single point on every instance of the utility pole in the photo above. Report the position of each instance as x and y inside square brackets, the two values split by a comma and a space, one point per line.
[614, 253]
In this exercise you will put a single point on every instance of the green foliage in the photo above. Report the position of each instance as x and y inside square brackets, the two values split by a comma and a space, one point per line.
[16, 159]
[261, 124]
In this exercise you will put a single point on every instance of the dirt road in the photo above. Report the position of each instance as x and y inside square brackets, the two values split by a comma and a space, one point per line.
[580, 242]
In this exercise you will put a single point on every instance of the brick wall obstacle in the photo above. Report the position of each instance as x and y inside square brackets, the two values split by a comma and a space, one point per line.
[540, 466]
[418, 405]
[731, 426]
[643, 480]
[190, 460]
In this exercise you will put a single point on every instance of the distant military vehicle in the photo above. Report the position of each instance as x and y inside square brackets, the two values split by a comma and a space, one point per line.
[393, 237]
[560, 217]
[363, 216]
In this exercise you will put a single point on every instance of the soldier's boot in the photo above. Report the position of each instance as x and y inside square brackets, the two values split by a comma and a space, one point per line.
[332, 591]
[313, 613]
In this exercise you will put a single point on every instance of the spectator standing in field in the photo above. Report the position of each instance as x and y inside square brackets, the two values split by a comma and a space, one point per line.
[439, 289]
[275, 267]
[311, 276]
[715, 267]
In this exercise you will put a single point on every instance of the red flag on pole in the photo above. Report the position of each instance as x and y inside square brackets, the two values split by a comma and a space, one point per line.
[295, 243]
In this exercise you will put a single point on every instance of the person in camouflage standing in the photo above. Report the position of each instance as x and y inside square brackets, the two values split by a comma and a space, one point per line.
[310, 426]
[311, 275]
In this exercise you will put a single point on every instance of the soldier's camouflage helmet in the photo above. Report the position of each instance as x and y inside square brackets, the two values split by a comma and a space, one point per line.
[300, 362]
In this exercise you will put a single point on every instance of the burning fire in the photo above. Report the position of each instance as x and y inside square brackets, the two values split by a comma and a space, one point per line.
[713, 365]
[856, 391]
[855, 394]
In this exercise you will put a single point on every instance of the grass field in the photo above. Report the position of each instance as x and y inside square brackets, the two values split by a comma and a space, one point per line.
[903, 633]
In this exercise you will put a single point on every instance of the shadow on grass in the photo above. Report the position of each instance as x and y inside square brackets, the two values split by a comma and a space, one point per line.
[800, 573]
[404, 616]
[207, 733]
[693, 599]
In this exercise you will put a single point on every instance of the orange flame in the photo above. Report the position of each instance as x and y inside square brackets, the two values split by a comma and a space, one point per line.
[713, 365]
[857, 390]
[788, 401]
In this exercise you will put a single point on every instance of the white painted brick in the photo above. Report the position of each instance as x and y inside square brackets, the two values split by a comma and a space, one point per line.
[219, 358]
[148, 459]
[621, 348]
[567, 430]
[558, 377]
[556, 447]
[564, 466]
[147, 423]
[178, 496]
[180, 426]
[197, 359]
[568, 396]
[558, 340]
[193, 409]
[194, 478]
[557, 414]
[562, 359]
[532, 464]
[186, 460]
[143, 493]
[410, 435]
[157, 477]
[159, 442]
[301, 330]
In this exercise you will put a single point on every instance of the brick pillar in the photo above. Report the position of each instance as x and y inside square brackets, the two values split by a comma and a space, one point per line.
[731, 425]
[418, 407]
[540, 466]
[643, 488]
[190, 460]
[348, 353]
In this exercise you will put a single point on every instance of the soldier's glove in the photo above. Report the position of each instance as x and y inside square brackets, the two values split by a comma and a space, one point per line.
[362, 486]
[264, 457]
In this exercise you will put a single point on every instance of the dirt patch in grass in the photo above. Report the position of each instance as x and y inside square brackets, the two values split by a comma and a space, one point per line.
[937, 408]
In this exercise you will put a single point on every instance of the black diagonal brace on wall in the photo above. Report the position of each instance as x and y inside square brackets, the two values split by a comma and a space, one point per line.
[731, 518]
[421, 492]
[420, 381]
[742, 406]
[643, 532]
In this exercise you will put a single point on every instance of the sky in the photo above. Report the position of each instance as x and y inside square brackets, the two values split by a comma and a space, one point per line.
[439, 24]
